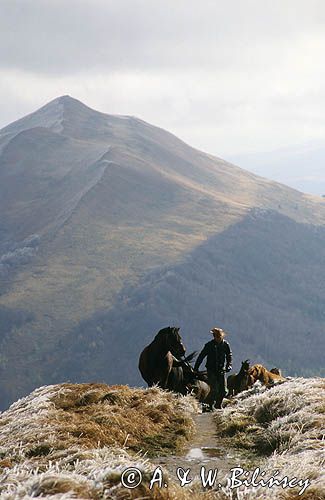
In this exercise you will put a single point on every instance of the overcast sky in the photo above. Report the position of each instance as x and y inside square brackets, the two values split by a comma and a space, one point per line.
[226, 76]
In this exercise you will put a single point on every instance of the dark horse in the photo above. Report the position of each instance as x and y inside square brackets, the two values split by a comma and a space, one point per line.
[239, 382]
[156, 360]
[181, 374]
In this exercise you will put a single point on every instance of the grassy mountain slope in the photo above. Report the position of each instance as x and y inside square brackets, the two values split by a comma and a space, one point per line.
[92, 205]
[261, 278]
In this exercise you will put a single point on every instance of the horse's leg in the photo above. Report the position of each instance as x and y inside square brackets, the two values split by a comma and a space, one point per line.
[168, 362]
[164, 379]
[144, 368]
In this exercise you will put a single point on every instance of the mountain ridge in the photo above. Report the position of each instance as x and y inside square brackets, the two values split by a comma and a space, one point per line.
[109, 201]
[75, 107]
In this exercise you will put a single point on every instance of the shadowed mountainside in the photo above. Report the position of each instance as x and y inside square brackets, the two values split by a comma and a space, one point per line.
[99, 211]
[253, 278]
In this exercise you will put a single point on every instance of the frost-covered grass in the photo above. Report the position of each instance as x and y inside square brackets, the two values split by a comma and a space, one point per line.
[285, 425]
[53, 419]
[74, 440]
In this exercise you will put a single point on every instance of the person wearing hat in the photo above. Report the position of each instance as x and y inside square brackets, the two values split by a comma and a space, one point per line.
[219, 359]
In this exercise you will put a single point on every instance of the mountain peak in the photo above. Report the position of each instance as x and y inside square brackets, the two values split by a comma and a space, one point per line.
[52, 115]
[67, 102]
[66, 98]
[73, 118]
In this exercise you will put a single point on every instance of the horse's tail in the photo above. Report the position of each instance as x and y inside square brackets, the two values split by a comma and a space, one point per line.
[143, 367]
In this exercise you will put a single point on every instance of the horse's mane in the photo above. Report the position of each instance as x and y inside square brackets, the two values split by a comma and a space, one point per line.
[165, 331]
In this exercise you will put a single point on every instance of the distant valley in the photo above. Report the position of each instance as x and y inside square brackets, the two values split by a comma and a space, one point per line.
[301, 167]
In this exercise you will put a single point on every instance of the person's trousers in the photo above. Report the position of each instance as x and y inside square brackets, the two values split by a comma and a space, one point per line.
[218, 388]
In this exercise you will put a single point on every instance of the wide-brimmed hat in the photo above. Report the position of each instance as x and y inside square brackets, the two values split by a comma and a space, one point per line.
[216, 329]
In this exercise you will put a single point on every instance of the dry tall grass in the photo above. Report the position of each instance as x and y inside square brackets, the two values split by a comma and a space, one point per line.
[74, 440]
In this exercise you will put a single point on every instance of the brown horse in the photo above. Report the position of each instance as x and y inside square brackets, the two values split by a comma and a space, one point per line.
[156, 360]
[259, 372]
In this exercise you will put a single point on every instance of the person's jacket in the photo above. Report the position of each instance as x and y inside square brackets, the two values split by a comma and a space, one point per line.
[219, 356]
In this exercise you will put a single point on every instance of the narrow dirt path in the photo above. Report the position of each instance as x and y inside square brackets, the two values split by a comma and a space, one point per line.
[204, 450]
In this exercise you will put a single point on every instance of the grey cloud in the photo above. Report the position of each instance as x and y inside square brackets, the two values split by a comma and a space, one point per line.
[227, 77]
[60, 37]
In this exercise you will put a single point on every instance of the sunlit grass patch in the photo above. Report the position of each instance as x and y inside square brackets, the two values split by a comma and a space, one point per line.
[234, 424]
[74, 440]
[89, 416]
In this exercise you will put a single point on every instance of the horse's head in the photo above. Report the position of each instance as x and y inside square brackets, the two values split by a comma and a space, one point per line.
[170, 340]
[174, 342]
